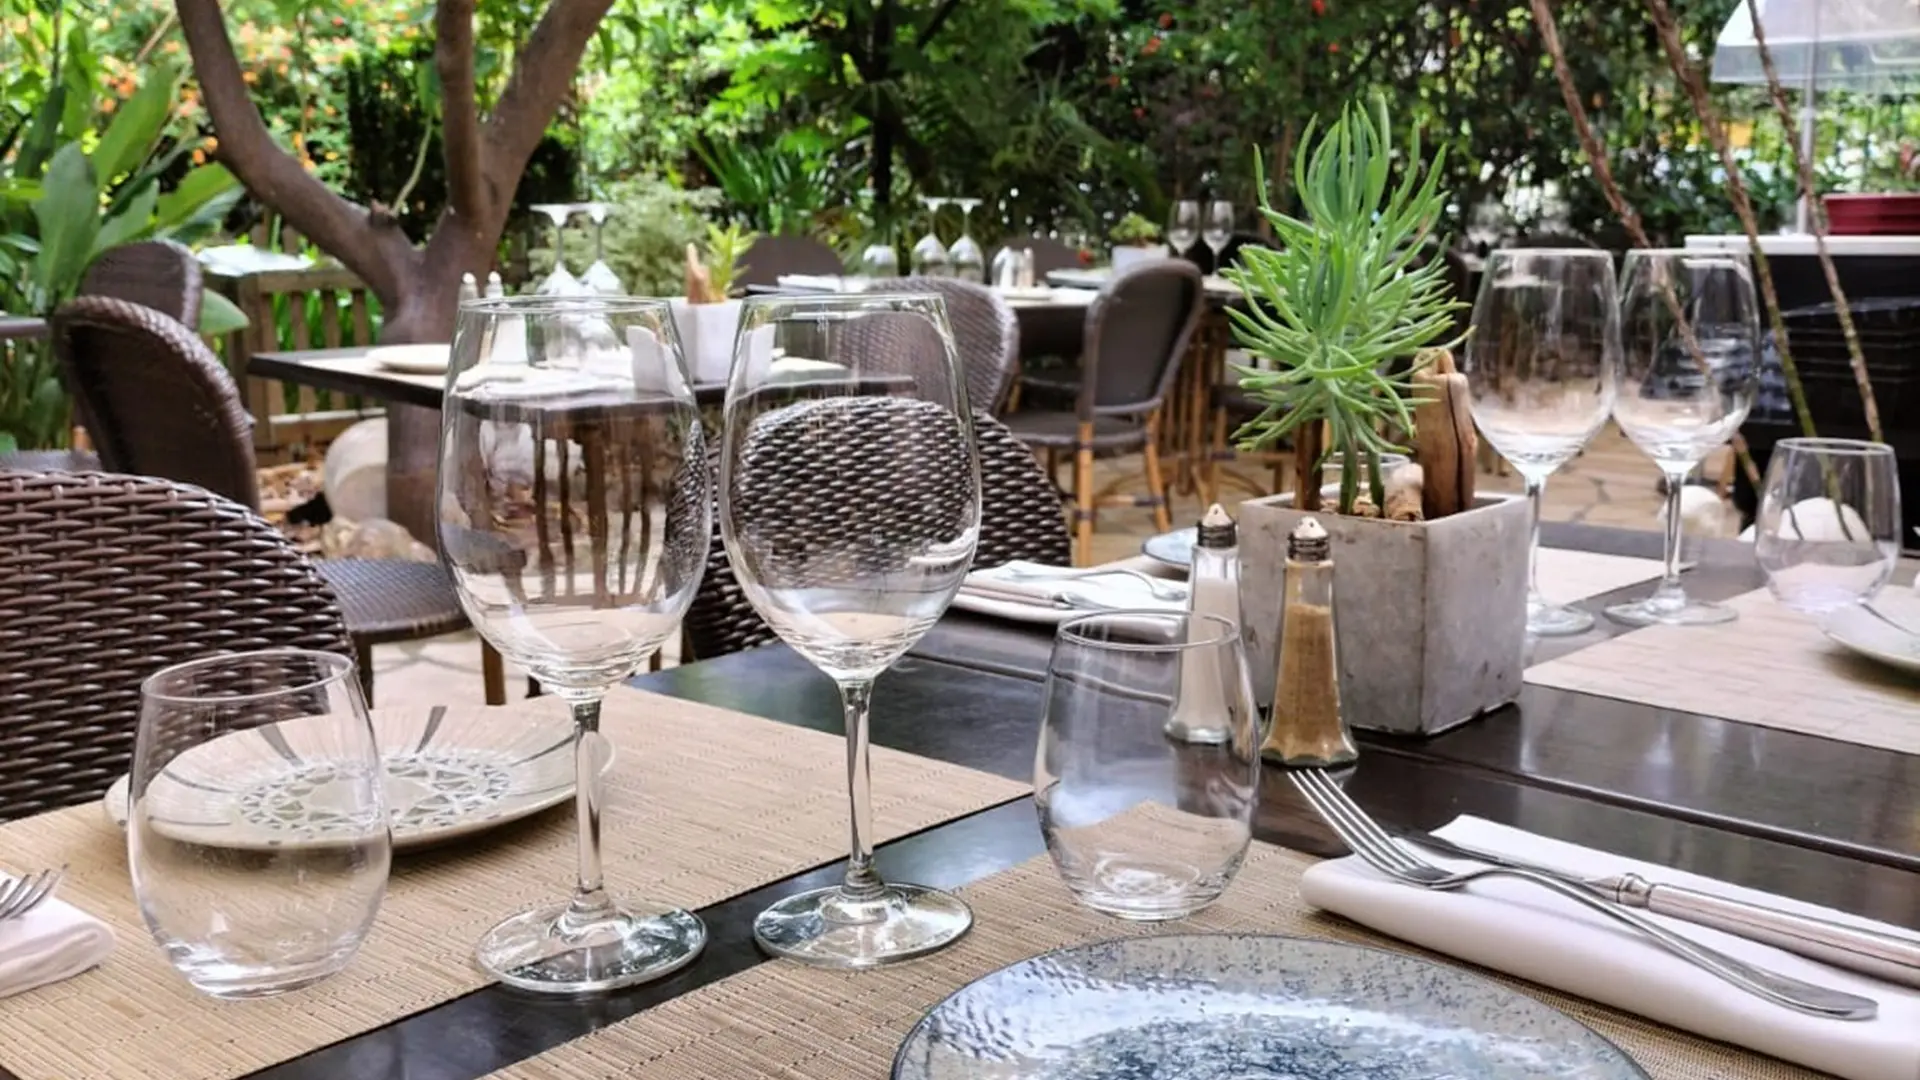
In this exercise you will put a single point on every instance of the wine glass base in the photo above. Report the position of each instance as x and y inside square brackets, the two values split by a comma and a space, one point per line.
[1546, 619]
[535, 951]
[827, 929]
[1653, 611]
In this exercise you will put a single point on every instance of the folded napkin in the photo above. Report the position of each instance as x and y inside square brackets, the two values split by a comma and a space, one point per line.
[1523, 930]
[52, 942]
[1041, 585]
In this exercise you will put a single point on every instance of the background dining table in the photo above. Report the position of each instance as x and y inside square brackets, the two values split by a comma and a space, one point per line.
[1820, 820]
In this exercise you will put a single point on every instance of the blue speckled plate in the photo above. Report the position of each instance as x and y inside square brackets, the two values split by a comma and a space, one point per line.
[1247, 1007]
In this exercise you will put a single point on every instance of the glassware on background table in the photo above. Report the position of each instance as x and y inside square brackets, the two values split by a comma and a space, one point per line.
[967, 259]
[575, 516]
[561, 280]
[880, 260]
[1828, 528]
[1679, 405]
[1141, 825]
[930, 256]
[1184, 230]
[1543, 365]
[281, 895]
[1217, 229]
[600, 277]
[850, 508]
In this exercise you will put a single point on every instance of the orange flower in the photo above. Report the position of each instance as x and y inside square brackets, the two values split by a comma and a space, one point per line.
[250, 77]
[1166, 20]
[1319, 7]
[199, 157]
[109, 105]
[1152, 46]
[1333, 46]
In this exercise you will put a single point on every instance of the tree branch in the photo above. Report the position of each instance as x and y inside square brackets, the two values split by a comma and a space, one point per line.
[542, 78]
[934, 25]
[467, 194]
[378, 252]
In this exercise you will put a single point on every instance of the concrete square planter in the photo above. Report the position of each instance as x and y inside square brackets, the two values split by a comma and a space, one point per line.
[1431, 616]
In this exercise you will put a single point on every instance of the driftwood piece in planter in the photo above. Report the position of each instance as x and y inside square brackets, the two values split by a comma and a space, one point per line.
[1444, 440]
[1431, 615]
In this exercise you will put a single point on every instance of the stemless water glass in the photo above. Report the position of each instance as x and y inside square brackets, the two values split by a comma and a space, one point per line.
[1184, 230]
[1689, 371]
[1828, 530]
[575, 514]
[257, 836]
[1542, 365]
[1140, 824]
[850, 508]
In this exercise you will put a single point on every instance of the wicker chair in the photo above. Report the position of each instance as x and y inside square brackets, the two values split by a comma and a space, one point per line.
[105, 579]
[1020, 519]
[169, 408]
[1138, 330]
[1049, 255]
[984, 328]
[773, 257]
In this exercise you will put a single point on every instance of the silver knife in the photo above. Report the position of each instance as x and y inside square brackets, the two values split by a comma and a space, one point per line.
[1884, 956]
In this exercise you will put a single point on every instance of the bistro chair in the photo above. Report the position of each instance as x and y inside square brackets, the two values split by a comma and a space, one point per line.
[167, 407]
[1138, 329]
[771, 258]
[1020, 519]
[1049, 254]
[985, 330]
[105, 579]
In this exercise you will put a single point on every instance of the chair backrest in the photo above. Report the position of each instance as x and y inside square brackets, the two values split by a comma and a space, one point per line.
[1049, 254]
[985, 330]
[106, 579]
[772, 257]
[1137, 331]
[158, 402]
[159, 274]
[1021, 518]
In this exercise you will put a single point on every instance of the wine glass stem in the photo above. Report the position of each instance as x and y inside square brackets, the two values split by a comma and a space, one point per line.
[1536, 488]
[1670, 578]
[856, 695]
[590, 900]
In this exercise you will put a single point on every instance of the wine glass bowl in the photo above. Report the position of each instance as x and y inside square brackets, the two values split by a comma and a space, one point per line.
[600, 277]
[575, 514]
[930, 255]
[1827, 533]
[1184, 230]
[1217, 230]
[560, 281]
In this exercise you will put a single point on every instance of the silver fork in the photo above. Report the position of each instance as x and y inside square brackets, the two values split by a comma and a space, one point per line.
[1378, 850]
[1158, 588]
[29, 891]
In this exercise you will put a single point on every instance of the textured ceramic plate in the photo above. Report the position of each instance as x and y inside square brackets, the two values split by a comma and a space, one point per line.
[1174, 548]
[1247, 1007]
[451, 771]
[1857, 629]
[413, 359]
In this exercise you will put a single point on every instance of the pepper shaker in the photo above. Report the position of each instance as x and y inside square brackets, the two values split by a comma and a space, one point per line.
[1308, 729]
[1200, 716]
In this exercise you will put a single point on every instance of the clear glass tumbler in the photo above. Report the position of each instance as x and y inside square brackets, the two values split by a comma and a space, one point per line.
[1828, 530]
[258, 839]
[1139, 824]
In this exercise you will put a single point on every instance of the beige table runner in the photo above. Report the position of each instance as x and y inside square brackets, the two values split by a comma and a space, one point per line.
[1770, 666]
[703, 804]
[781, 1020]
[1567, 576]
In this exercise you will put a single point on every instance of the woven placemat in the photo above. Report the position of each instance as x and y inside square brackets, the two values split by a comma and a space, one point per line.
[1770, 666]
[1567, 576]
[796, 1023]
[703, 804]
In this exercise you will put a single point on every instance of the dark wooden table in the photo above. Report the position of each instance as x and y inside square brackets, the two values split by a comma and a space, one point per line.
[1825, 822]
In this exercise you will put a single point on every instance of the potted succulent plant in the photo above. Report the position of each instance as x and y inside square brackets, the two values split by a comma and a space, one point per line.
[1135, 238]
[707, 319]
[1430, 581]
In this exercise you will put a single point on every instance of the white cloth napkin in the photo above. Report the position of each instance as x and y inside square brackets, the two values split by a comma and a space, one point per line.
[52, 942]
[1524, 930]
[1040, 582]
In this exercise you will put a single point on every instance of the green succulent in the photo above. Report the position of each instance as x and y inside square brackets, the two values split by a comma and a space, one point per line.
[1135, 229]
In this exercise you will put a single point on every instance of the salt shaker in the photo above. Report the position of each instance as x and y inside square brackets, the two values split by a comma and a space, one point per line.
[469, 288]
[1026, 279]
[1006, 269]
[1200, 716]
[495, 290]
[1308, 728]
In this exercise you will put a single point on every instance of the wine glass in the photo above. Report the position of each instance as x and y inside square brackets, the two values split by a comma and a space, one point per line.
[561, 280]
[850, 509]
[575, 516]
[600, 277]
[1543, 365]
[1690, 369]
[969, 261]
[880, 260]
[1828, 528]
[930, 257]
[257, 836]
[1217, 230]
[1184, 231]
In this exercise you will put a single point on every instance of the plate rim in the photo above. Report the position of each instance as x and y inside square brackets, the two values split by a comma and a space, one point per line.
[1145, 549]
[1908, 664]
[900, 1052]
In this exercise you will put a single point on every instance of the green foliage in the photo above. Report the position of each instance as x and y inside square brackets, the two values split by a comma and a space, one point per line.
[725, 248]
[646, 237]
[1135, 229]
[791, 187]
[1340, 302]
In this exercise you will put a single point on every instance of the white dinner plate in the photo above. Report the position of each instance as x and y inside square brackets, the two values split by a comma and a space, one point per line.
[451, 771]
[413, 359]
[1857, 629]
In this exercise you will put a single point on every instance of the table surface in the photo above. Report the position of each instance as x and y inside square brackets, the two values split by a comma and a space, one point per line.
[1827, 822]
[348, 370]
[1803, 244]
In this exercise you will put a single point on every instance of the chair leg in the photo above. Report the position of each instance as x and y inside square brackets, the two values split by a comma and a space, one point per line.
[493, 672]
[1156, 484]
[363, 660]
[1083, 501]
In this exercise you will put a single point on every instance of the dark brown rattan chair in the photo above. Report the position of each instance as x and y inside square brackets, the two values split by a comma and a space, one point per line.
[984, 329]
[104, 580]
[1020, 519]
[167, 407]
[1138, 329]
[773, 257]
[159, 274]
[1049, 255]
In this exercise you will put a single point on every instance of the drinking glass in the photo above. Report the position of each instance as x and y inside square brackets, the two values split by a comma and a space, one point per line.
[600, 277]
[930, 257]
[1543, 365]
[575, 516]
[1184, 230]
[850, 508]
[257, 834]
[1828, 530]
[1218, 228]
[969, 262]
[1690, 369]
[879, 260]
[1141, 824]
[561, 281]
